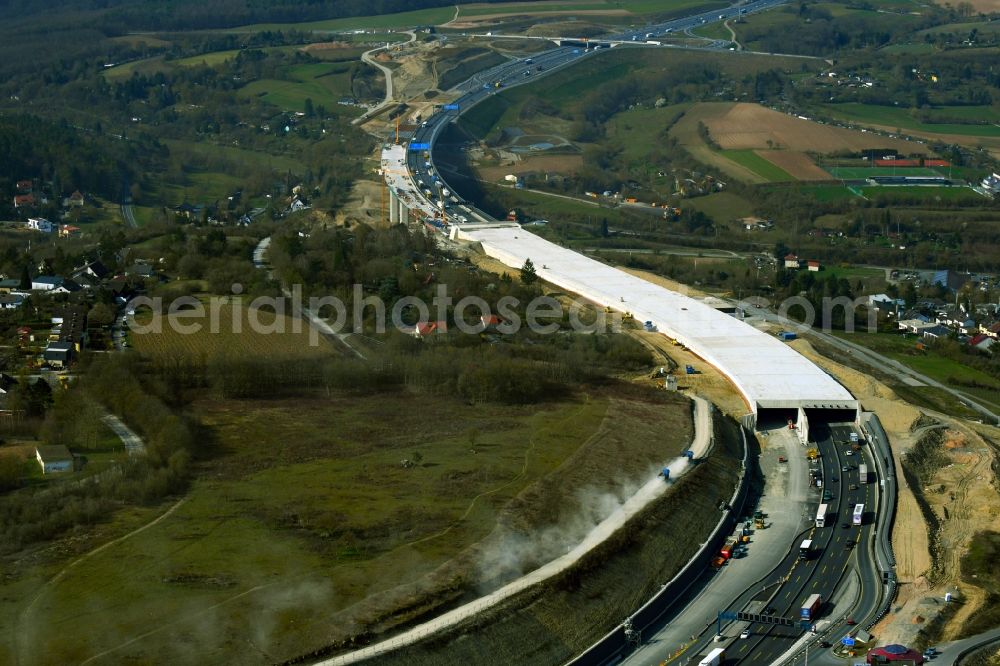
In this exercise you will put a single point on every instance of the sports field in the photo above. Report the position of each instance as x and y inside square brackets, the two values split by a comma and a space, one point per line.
[857, 173]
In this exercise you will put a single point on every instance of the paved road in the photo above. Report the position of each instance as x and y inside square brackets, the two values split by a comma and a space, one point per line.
[128, 215]
[387, 72]
[786, 503]
[652, 490]
[133, 443]
[952, 653]
[751, 585]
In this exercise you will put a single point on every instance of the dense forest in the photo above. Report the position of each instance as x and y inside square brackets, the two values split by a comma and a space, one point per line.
[34, 148]
[195, 14]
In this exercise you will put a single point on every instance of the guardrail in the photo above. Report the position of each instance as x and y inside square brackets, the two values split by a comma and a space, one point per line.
[887, 494]
[615, 642]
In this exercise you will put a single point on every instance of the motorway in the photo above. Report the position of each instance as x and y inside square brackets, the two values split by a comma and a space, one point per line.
[483, 85]
[837, 551]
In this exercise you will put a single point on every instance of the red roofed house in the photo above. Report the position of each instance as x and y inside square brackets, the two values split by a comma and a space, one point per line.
[426, 328]
[24, 200]
[982, 342]
[893, 653]
[23, 186]
[490, 321]
[791, 261]
[69, 231]
[814, 266]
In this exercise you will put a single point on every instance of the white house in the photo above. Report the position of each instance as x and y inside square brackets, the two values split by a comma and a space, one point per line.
[54, 458]
[41, 224]
[46, 283]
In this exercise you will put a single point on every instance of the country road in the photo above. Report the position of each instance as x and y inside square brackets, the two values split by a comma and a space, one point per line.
[133, 443]
[387, 72]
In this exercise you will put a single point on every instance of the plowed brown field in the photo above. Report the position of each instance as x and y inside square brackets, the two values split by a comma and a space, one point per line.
[751, 126]
[797, 164]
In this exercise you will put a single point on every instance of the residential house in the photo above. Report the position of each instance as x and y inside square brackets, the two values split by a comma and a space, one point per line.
[9, 285]
[24, 200]
[915, 325]
[76, 199]
[69, 231]
[814, 266]
[490, 322]
[11, 301]
[24, 186]
[141, 269]
[46, 283]
[884, 302]
[54, 458]
[189, 211]
[297, 205]
[41, 224]
[914, 314]
[425, 329]
[85, 281]
[992, 330]
[981, 342]
[94, 269]
[69, 324]
[7, 383]
[948, 279]
[936, 331]
[992, 182]
[58, 354]
[791, 261]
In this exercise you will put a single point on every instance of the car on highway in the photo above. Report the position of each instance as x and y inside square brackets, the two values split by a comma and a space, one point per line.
[827, 495]
[825, 644]
[851, 622]
[849, 543]
[845, 526]
[745, 633]
[845, 468]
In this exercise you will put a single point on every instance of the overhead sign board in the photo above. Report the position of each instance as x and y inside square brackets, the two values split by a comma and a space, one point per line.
[420, 146]
[450, 107]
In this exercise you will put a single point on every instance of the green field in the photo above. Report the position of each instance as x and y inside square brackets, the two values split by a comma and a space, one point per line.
[195, 153]
[853, 273]
[827, 192]
[889, 116]
[857, 173]
[937, 367]
[754, 162]
[434, 16]
[930, 192]
[325, 84]
[897, 49]
[721, 206]
[636, 7]
[334, 518]
[200, 187]
[714, 30]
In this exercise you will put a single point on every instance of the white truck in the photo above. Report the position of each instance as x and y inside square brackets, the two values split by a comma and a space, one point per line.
[713, 658]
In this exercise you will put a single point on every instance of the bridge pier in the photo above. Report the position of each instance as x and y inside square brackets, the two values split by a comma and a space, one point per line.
[393, 208]
[403, 212]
